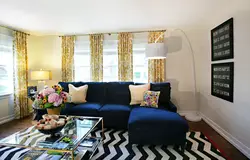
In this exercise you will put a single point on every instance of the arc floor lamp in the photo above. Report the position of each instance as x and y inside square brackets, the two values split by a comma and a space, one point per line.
[159, 50]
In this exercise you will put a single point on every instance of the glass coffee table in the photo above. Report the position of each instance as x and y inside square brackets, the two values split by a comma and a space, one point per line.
[73, 141]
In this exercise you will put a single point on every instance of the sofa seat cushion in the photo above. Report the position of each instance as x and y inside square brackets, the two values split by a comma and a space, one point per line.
[115, 115]
[168, 107]
[85, 109]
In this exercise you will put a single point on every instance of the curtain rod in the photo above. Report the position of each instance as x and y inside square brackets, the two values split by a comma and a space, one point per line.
[109, 33]
[14, 29]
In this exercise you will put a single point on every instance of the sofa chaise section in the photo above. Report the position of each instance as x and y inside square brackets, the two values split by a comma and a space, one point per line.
[156, 127]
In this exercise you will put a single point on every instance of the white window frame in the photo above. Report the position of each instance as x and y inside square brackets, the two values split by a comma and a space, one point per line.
[113, 41]
[82, 41]
[139, 46]
[6, 45]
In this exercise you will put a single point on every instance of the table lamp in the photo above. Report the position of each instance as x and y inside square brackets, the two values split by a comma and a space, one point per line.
[41, 76]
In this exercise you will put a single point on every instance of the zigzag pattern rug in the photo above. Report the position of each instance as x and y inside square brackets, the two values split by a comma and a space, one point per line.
[116, 146]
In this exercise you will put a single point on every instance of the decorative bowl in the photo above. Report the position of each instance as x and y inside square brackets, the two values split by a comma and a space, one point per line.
[53, 131]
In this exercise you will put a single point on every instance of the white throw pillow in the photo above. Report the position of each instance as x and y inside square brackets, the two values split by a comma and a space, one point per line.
[78, 94]
[137, 92]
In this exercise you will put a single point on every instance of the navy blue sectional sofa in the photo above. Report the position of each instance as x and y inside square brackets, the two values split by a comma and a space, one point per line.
[110, 100]
[145, 125]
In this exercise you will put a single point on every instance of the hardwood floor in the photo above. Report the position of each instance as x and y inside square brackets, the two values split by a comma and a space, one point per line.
[16, 125]
[229, 150]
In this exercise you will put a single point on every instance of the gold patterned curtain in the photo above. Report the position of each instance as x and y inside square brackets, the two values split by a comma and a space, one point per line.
[125, 57]
[20, 75]
[68, 44]
[156, 67]
[96, 46]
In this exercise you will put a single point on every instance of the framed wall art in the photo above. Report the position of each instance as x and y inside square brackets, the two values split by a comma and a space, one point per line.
[222, 41]
[222, 82]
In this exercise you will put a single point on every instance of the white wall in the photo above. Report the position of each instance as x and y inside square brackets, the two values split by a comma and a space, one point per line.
[44, 52]
[231, 119]
[6, 108]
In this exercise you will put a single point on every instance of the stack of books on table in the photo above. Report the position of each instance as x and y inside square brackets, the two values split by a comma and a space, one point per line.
[40, 155]
[89, 144]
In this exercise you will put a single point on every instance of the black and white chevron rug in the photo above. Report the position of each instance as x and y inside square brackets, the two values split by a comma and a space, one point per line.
[116, 146]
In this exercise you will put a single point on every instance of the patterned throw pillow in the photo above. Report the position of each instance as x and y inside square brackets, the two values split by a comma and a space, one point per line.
[150, 98]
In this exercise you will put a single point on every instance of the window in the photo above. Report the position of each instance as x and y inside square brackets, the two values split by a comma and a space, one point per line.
[110, 58]
[6, 62]
[82, 59]
[140, 65]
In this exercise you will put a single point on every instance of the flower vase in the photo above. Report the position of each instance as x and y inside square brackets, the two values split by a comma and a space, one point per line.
[54, 111]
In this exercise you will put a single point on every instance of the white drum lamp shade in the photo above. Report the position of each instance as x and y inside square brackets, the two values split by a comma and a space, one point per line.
[40, 75]
[156, 51]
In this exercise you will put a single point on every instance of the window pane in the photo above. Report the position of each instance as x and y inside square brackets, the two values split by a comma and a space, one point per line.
[110, 73]
[82, 73]
[82, 59]
[140, 64]
[110, 58]
[6, 64]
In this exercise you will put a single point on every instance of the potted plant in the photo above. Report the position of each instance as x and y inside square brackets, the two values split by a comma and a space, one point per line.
[52, 99]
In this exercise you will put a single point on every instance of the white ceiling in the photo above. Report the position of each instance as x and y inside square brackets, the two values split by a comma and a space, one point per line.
[58, 17]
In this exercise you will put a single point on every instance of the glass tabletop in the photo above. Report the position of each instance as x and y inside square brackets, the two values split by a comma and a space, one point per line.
[74, 131]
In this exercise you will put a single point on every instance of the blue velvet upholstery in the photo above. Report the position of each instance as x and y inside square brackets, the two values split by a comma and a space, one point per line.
[165, 90]
[110, 100]
[146, 125]
[115, 115]
[118, 93]
[171, 107]
[85, 109]
[96, 92]
[65, 86]
[156, 126]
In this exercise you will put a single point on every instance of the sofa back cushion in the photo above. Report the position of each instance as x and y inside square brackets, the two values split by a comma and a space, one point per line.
[96, 90]
[118, 93]
[165, 90]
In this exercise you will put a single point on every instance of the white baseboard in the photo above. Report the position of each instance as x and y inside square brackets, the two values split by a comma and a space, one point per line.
[185, 112]
[7, 119]
[230, 138]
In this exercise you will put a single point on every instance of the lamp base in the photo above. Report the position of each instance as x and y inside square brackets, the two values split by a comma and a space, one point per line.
[193, 117]
[40, 85]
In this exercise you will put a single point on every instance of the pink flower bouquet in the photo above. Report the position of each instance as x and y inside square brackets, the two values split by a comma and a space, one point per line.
[51, 97]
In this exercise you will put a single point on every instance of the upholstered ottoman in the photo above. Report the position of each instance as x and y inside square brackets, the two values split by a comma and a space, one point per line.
[153, 126]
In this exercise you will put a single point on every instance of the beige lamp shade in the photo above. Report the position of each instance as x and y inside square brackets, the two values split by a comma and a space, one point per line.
[40, 75]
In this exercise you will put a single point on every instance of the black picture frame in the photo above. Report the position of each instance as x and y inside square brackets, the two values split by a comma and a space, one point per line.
[222, 41]
[222, 80]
